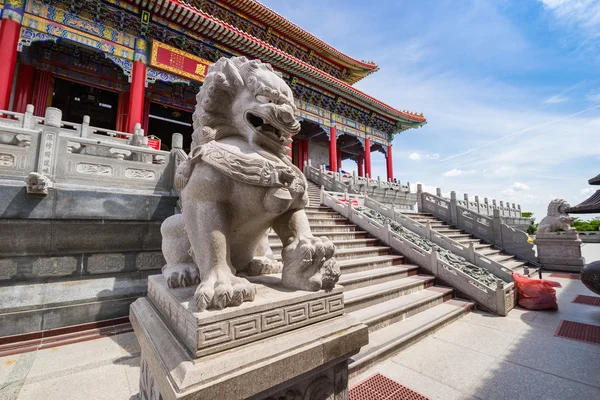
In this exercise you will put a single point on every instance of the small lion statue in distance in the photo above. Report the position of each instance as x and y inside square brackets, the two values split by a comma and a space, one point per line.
[557, 218]
[237, 183]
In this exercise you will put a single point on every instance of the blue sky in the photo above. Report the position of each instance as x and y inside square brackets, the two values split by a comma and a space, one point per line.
[510, 88]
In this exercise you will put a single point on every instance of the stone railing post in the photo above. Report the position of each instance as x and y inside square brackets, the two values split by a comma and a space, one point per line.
[438, 192]
[477, 204]
[85, 126]
[354, 179]
[471, 253]
[407, 185]
[48, 149]
[487, 206]
[28, 120]
[322, 193]
[453, 210]
[502, 208]
[177, 141]
[497, 225]
[519, 210]
[433, 260]
[428, 230]
[500, 298]
[419, 197]
[378, 181]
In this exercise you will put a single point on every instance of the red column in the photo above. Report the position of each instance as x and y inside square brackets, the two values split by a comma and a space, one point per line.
[291, 153]
[332, 149]
[136, 95]
[339, 158]
[300, 147]
[43, 89]
[390, 169]
[368, 157]
[146, 121]
[9, 38]
[359, 161]
[24, 89]
[304, 152]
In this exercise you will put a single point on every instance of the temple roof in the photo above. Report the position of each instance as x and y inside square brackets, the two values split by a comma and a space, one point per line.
[358, 69]
[212, 28]
[589, 206]
[595, 180]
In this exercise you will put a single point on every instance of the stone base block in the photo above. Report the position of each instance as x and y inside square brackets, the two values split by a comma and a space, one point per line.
[275, 310]
[303, 362]
[560, 251]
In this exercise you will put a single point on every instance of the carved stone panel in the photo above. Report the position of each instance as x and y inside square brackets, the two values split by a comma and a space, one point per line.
[54, 266]
[94, 169]
[105, 263]
[8, 268]
[7, 160]
[136, 173]
[150, 260]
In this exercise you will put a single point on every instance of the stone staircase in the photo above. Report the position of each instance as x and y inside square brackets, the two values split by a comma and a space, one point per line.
[398, 303]
[507, 260]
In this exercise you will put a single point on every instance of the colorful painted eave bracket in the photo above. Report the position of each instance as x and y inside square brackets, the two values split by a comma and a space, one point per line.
[204, 24]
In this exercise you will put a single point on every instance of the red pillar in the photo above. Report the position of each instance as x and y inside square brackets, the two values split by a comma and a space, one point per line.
[136, 95]
[300, 147]
[332, 149]
[24, 89]
[368, 157]
[304, 152]
[339, 158]
[390, 169]
[43, 90]
[359, 161]
[146, 121]
[9, 38]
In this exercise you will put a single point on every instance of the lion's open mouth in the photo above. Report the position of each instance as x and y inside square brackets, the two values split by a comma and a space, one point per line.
[267, 130]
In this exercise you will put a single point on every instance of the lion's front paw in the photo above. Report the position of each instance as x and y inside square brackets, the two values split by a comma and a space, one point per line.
[181, 275]
[223, 290]
[308, 264]
[263, 266]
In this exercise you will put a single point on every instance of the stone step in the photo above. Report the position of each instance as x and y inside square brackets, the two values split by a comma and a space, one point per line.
[489, 251]
[467, 241]
[327, 221]
[515, 265]
[370, 263]
[391, 311]
[459, 236]
[502, 258]
[332, 228]
[361, 279]
[447, 231]
[358, 252]
[388, 341]
[324, 215]
[35, 307]
[330, 235]
[339, 244]
[368, 296]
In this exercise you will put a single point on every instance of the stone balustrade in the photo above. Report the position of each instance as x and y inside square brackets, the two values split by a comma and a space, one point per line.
[394, 193]
[495, 229]
[50, 151]
[498, 297]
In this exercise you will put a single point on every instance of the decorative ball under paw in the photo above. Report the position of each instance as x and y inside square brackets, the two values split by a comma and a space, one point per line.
[590, 276]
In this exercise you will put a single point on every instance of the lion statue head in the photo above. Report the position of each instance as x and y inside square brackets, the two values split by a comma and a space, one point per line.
[557, 218]
[246, 98]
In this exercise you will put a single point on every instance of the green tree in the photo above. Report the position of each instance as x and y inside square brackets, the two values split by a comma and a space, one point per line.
[526, 214]
[581, 226]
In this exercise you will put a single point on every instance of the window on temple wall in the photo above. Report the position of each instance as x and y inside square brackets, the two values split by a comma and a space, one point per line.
[164, 121]
[77, 100]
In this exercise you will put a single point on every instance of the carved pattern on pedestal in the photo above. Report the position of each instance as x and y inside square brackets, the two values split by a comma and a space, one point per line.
[94, 169]
[145, 261]
[135, 173]
[7, 160]
[319, 389]
[8, 268]
[48, 149]
[104, 263]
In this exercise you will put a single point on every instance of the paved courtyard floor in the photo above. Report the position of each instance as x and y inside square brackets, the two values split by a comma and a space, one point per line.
[480, 356]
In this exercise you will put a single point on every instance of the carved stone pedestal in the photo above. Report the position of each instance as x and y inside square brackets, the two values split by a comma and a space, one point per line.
[286, 344]
[560, 251]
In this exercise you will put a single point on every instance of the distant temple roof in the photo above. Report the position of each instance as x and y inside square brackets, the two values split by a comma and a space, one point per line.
[358, 69]
[595, 180]
[589, 206]
[190, 17]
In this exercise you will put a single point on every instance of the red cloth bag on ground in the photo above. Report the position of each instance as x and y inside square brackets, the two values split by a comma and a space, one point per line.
[536, 294]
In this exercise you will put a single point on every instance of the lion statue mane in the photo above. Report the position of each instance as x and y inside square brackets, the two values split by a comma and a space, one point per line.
[557, 218]
[237, 183]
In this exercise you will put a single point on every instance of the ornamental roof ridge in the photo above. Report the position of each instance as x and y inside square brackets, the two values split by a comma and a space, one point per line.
[266, 14]
[285, 60]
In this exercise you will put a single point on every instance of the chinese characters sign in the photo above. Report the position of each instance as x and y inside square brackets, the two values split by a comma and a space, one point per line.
[178, 62]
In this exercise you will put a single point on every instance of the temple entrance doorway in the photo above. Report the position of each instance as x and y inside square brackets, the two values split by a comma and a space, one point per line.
[164, 121]
[77, 100]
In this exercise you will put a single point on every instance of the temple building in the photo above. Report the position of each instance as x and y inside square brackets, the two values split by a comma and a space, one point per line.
[592, 204]
[124, 62]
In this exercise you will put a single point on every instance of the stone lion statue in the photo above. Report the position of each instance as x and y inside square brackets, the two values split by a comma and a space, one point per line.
[557, 218]
[237, 183]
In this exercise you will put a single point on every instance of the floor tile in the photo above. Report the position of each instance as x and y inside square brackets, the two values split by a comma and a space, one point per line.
[505, 380]
[490, 341]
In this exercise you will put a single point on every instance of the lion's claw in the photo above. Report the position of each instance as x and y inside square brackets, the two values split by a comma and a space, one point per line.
[224, 291]
[181, 275]
[308, 264]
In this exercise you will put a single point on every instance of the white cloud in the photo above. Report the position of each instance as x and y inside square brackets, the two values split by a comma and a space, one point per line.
[414, 156]
[556, 99]
[593, 96]
[518, 186]
[585, 12]
[586, 192]
[417, 156]
[434, 156]
[459, 172]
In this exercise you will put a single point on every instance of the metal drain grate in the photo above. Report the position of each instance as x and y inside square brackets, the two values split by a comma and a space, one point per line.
[564, 275]
[379, 387]
[587, 300]
[578, 331]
